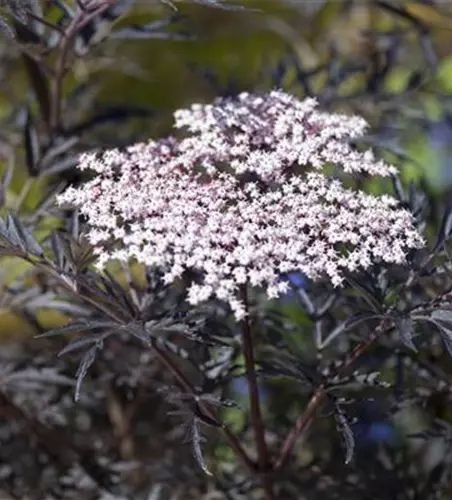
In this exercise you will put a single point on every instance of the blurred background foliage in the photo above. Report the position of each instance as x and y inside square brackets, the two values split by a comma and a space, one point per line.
[390, 61]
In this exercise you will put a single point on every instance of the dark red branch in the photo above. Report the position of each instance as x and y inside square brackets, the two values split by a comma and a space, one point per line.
[80, 20]
[206, 409]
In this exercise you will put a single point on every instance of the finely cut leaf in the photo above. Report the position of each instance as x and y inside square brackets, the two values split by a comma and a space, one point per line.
[347, 434]
[82, 342]
[216, 401]
[197, 450]
[140, 333]
[82, 326]
[14, 232]
[405, 329]
[57, 249]
[171, 347]
[85, 363]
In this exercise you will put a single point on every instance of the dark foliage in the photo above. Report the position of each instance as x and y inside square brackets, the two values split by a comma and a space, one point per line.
[137, 395]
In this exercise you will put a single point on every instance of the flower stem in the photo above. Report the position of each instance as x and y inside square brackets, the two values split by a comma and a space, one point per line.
[253, 394]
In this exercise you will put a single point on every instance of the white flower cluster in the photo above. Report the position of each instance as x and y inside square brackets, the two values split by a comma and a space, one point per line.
[272, 135]
[185, 205]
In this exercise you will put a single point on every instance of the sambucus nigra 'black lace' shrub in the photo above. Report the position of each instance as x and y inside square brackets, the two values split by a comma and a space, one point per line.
[314, 391]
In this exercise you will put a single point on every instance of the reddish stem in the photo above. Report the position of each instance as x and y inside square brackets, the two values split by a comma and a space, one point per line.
[79, 21]
[233, 441]
[253, 394]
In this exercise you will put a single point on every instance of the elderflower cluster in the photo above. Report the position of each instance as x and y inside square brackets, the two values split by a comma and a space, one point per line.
[273, 135]
[191, 204]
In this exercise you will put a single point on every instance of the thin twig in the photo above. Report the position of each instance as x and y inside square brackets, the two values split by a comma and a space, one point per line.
[79, 21]
[43, 21]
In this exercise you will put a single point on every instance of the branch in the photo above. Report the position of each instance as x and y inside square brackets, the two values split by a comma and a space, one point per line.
[79, 21]
[320, 394]
[253, 394]
[233, 441]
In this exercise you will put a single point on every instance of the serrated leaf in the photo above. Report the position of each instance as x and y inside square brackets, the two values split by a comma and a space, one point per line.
[335, 333]
[171, 347]
[20, 236]
[89, 285]
[85, 363]
[67, 244]
[347, 435]
[32, 245]
[13, 232]
[446, 333]
[77, 328]
[357, 381]
[405, 330]
[114, 288]
[74, 225]
[140, 333]
[398, 188]
[27, 241]
[57, 249]
[83, 341]
[365, 294]
[197, 450]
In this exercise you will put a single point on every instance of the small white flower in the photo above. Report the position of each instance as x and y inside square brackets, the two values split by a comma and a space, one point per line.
[189, 204]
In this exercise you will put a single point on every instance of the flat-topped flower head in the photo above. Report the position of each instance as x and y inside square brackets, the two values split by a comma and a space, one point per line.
[273, 134]
[188, 205]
